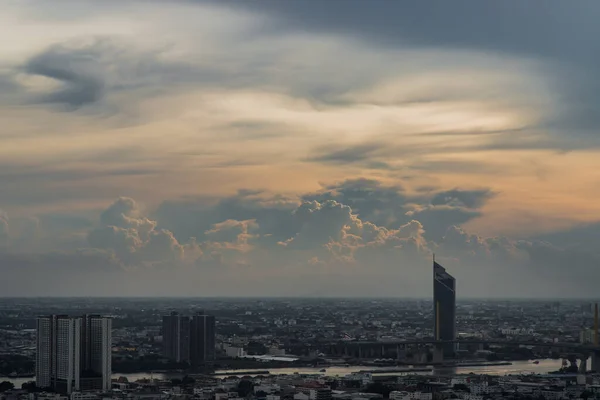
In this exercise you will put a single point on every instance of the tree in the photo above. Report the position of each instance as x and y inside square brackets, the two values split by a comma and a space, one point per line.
[188, 380]
[245, 388]
[461, 386]
[586, 395]
[31, 387]
[6, 385]
[379, 388]
[176, 382]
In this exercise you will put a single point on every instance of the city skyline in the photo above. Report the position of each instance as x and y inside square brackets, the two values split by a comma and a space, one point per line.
[295, 347]
[196, 148]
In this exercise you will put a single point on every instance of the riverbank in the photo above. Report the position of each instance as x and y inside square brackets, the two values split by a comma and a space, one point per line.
[515, 368]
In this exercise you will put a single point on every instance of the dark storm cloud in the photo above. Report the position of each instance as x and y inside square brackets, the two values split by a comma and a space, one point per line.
[88, 72]
[80, 83]
[562, 35]
[554, 29]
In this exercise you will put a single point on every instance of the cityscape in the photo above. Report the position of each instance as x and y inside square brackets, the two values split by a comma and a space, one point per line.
[301, 349]
[299, 200]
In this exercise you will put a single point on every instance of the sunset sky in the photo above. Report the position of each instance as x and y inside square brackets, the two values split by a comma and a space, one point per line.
[299, 148]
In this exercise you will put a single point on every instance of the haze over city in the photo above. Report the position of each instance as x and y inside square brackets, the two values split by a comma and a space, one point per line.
[299, 148]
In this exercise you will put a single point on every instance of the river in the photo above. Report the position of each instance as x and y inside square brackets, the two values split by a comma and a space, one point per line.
[517, 367]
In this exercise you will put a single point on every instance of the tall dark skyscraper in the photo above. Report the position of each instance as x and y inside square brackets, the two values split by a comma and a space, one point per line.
[188, 339]
[202, 343]
[176, 337]
[444, 306]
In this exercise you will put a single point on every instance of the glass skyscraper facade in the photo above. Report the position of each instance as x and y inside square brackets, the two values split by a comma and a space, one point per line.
[444, 307]
[190, 340]
[202, 347]
[176, 337]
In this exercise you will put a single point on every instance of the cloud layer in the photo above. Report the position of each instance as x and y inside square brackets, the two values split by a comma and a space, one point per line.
[261, 243]
[196, 147]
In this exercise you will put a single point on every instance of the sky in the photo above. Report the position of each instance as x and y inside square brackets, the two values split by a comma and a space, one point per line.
[299, 148]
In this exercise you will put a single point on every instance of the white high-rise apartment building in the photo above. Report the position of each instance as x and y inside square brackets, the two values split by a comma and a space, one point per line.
[74, 353]
[96, 352]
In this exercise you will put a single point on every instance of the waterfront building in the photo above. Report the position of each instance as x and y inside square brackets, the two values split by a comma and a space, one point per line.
[176, 337]
[73, 353]
[188, 339]
[202, 344]
[444, 307]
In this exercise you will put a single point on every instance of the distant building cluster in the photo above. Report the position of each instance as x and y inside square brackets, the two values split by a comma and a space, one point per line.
[189, 339]
[353, 386]
[75, 356]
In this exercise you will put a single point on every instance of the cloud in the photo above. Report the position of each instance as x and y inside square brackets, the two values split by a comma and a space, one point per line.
[125, 213]
[350, 155]
[370, 199]
[325, 241]
[462, 198]
[391, 206]
[104, 74]
[320, 223]
[566, 269]
[81, 272]
[232, 234]
[4, 231]
[106, 100]
[79, 84]
[449, 27]
[199, 217]
[133, 237]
